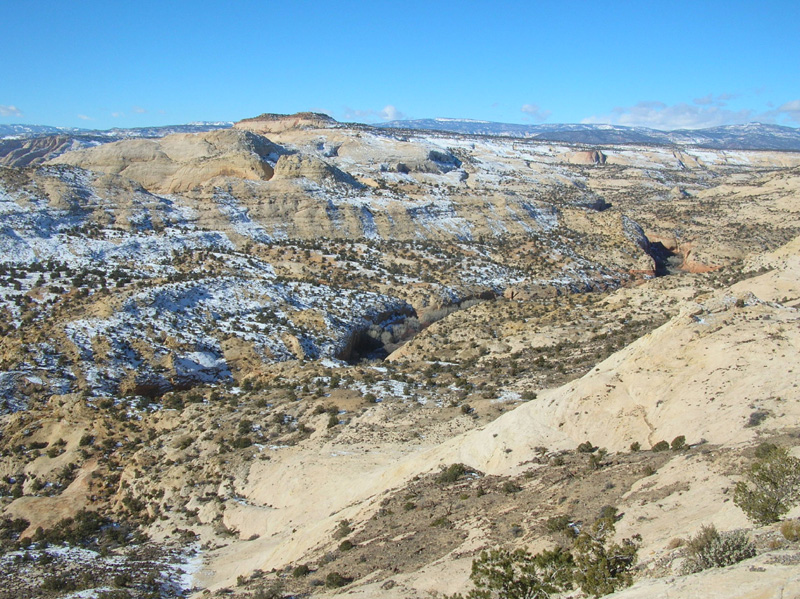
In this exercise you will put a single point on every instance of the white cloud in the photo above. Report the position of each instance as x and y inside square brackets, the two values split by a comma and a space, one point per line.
[658, 115]
[9, 110]
[83, 117]
[388, 113]
[790, 110]
[139, 110]
[535, 112]
[117, 114]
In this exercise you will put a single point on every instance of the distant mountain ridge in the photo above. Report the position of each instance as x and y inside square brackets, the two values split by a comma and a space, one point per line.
[752, 136]
[28, 131]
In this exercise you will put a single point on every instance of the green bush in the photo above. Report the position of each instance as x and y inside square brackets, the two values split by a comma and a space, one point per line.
[452, 473]
[636, 446]
[661, 446]
[560, 524]
[712, 549]
[343, 529]
[678, 443]
[335, 580]
[595, 564]
[242, 442]
[771, 486]
[602, 567]
[587, 447]
[520, 575]
[301, 571]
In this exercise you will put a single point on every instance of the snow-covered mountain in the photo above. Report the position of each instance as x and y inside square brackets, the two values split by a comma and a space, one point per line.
[752, 136]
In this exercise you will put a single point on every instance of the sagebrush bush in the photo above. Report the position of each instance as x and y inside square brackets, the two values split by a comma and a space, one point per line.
[791, 530]
[711, 549]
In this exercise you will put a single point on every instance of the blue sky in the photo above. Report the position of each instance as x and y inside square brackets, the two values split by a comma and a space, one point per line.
[665, 65]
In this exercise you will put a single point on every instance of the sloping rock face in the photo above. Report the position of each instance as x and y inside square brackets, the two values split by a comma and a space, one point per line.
[27, 152]
[295, 166]
[181, 162]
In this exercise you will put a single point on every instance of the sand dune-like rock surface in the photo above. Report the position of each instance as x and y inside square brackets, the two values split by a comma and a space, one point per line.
[182, 161]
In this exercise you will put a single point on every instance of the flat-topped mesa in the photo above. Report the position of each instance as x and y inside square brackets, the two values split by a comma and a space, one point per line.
[277, 123]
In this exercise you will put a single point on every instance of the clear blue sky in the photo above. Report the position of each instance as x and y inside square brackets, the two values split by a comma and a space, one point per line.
[672, 64]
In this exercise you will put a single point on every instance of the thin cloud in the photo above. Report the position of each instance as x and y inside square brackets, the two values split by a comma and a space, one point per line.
[116, 115]
[9, 110]
[658, 115]
[790, 110]
[718, 100]
[139, 110]
[535, 112]
[387, 113]
[83, 117]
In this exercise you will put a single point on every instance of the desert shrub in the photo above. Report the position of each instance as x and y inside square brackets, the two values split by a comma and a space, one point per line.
[442, 522]
[636, 446]
[771, 486]
[335, 580]
[271, 590]
[764, 449]
[301, 571]
[242, 442]
[559, 524]
[676, 542]
[595, 564]
[678, 443]
[342, 529]
[59, 584]
[711, 549]
[609, 511]
[586, 447]
[791, 530]
[122, 580]
[520, 575]
[756, 418]
[602, 567]
[661, 446]
[10, 529]
[346, 545]
[510, 487]
[452, 473]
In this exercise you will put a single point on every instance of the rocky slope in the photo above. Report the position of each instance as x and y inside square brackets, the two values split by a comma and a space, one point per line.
[194, 332]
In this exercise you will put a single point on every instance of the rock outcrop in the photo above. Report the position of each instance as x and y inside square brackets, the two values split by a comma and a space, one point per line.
[181, 162]
[278, 123]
